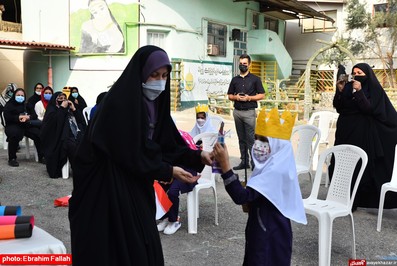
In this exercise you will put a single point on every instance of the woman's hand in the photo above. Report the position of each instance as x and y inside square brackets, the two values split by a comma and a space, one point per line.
[356, 85]
[71, 105]
[206, 158]
[221, 155]
[183, 176]
[340, 84]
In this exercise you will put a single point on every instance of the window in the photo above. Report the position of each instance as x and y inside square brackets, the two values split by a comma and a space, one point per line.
[382, 11]
[319, 25]
[271, 24]
[240, 45]
[216, 39]
[255, 21]
[156, 38]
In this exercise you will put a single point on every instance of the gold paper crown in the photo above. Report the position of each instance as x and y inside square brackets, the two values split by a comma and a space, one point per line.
[270, 125]
[201, 108]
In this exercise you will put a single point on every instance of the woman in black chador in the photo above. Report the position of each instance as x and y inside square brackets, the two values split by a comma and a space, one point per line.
[131, 141]
[62, 129]
[367, 119]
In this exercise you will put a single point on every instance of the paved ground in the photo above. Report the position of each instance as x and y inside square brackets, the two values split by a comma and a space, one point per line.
[30, 187]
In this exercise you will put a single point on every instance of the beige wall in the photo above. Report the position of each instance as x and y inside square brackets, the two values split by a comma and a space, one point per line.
[11, 62]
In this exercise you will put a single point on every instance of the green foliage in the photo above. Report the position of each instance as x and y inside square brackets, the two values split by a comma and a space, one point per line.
[333, 56]
[357, 18]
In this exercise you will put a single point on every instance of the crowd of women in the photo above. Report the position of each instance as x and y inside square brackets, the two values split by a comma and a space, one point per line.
[52, 120]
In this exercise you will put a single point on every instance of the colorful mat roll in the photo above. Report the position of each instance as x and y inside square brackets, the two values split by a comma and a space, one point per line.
[12, 231]
[10, 210]
[13, 219]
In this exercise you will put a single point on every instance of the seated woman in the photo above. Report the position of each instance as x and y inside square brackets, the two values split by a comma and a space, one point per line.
[62, 129]
[31, 102]
[41, 106]
[76, 99]
[17, 126]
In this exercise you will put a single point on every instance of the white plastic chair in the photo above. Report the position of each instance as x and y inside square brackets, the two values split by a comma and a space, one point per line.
[308, 139]
[216, 121]
[324, 120]
[207, 180]
[389, 186]
[339, 200]
[27, 141]
[86, 114]
[65, 170]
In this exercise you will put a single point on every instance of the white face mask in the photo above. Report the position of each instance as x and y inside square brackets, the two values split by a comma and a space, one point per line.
[200, 122]
[153, 88]
[261, 150]
[38, 92]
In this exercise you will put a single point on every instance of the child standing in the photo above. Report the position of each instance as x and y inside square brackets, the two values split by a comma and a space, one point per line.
[272, 193]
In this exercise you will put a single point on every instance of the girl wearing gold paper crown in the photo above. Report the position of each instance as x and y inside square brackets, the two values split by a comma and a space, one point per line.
[203, 121]
[272, 193]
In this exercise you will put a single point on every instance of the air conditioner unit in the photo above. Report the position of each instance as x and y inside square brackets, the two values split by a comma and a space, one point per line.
[213, 49]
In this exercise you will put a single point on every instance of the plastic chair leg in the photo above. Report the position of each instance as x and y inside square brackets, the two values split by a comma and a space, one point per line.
[324, 240]
[191, 213]
[380, 210]
[353, 237]
[27, 146]
[5, 143]
[216, 206]
[65, 170]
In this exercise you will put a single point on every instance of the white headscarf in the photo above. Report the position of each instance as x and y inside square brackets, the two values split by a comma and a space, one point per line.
[207, 127]
[277, 180]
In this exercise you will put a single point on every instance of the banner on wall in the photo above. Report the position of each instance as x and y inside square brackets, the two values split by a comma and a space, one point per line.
[203, 78]
[104, 32]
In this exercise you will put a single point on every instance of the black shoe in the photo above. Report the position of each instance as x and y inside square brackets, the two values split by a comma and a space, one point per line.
[13, 163]
[241, 166]
[42, 160]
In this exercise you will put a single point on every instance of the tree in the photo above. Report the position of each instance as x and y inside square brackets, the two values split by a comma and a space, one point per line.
[376, 34]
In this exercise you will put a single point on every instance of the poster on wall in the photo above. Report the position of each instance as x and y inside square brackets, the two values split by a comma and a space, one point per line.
[104, 32]
[203, 78]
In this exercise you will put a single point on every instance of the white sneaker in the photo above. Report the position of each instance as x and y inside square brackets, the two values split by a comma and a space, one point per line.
[162, 225]
[172, 227]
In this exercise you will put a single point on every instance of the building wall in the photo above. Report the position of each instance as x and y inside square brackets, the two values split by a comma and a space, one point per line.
[184, 22]
[11, 63]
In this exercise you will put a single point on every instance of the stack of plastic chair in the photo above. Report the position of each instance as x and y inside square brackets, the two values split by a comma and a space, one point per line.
[308, 139]
[340, 197]
[389, 186]
[207, 180]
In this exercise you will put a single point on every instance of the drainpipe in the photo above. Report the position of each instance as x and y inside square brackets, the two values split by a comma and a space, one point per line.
[49, 70]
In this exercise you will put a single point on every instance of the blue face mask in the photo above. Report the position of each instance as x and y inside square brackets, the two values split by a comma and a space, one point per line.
[75, 94]
[47, 96]
[153, 88]
[19, 98]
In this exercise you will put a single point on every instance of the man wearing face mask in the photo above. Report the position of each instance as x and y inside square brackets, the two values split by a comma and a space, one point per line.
[203, 121]
[272, 194]
[245, 90]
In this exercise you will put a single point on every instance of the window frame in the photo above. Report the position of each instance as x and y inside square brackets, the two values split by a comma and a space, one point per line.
[215, 37]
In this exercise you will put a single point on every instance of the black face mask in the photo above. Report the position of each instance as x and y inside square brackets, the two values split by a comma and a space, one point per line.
[59, 103]
[243, 68]
[361, 79]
